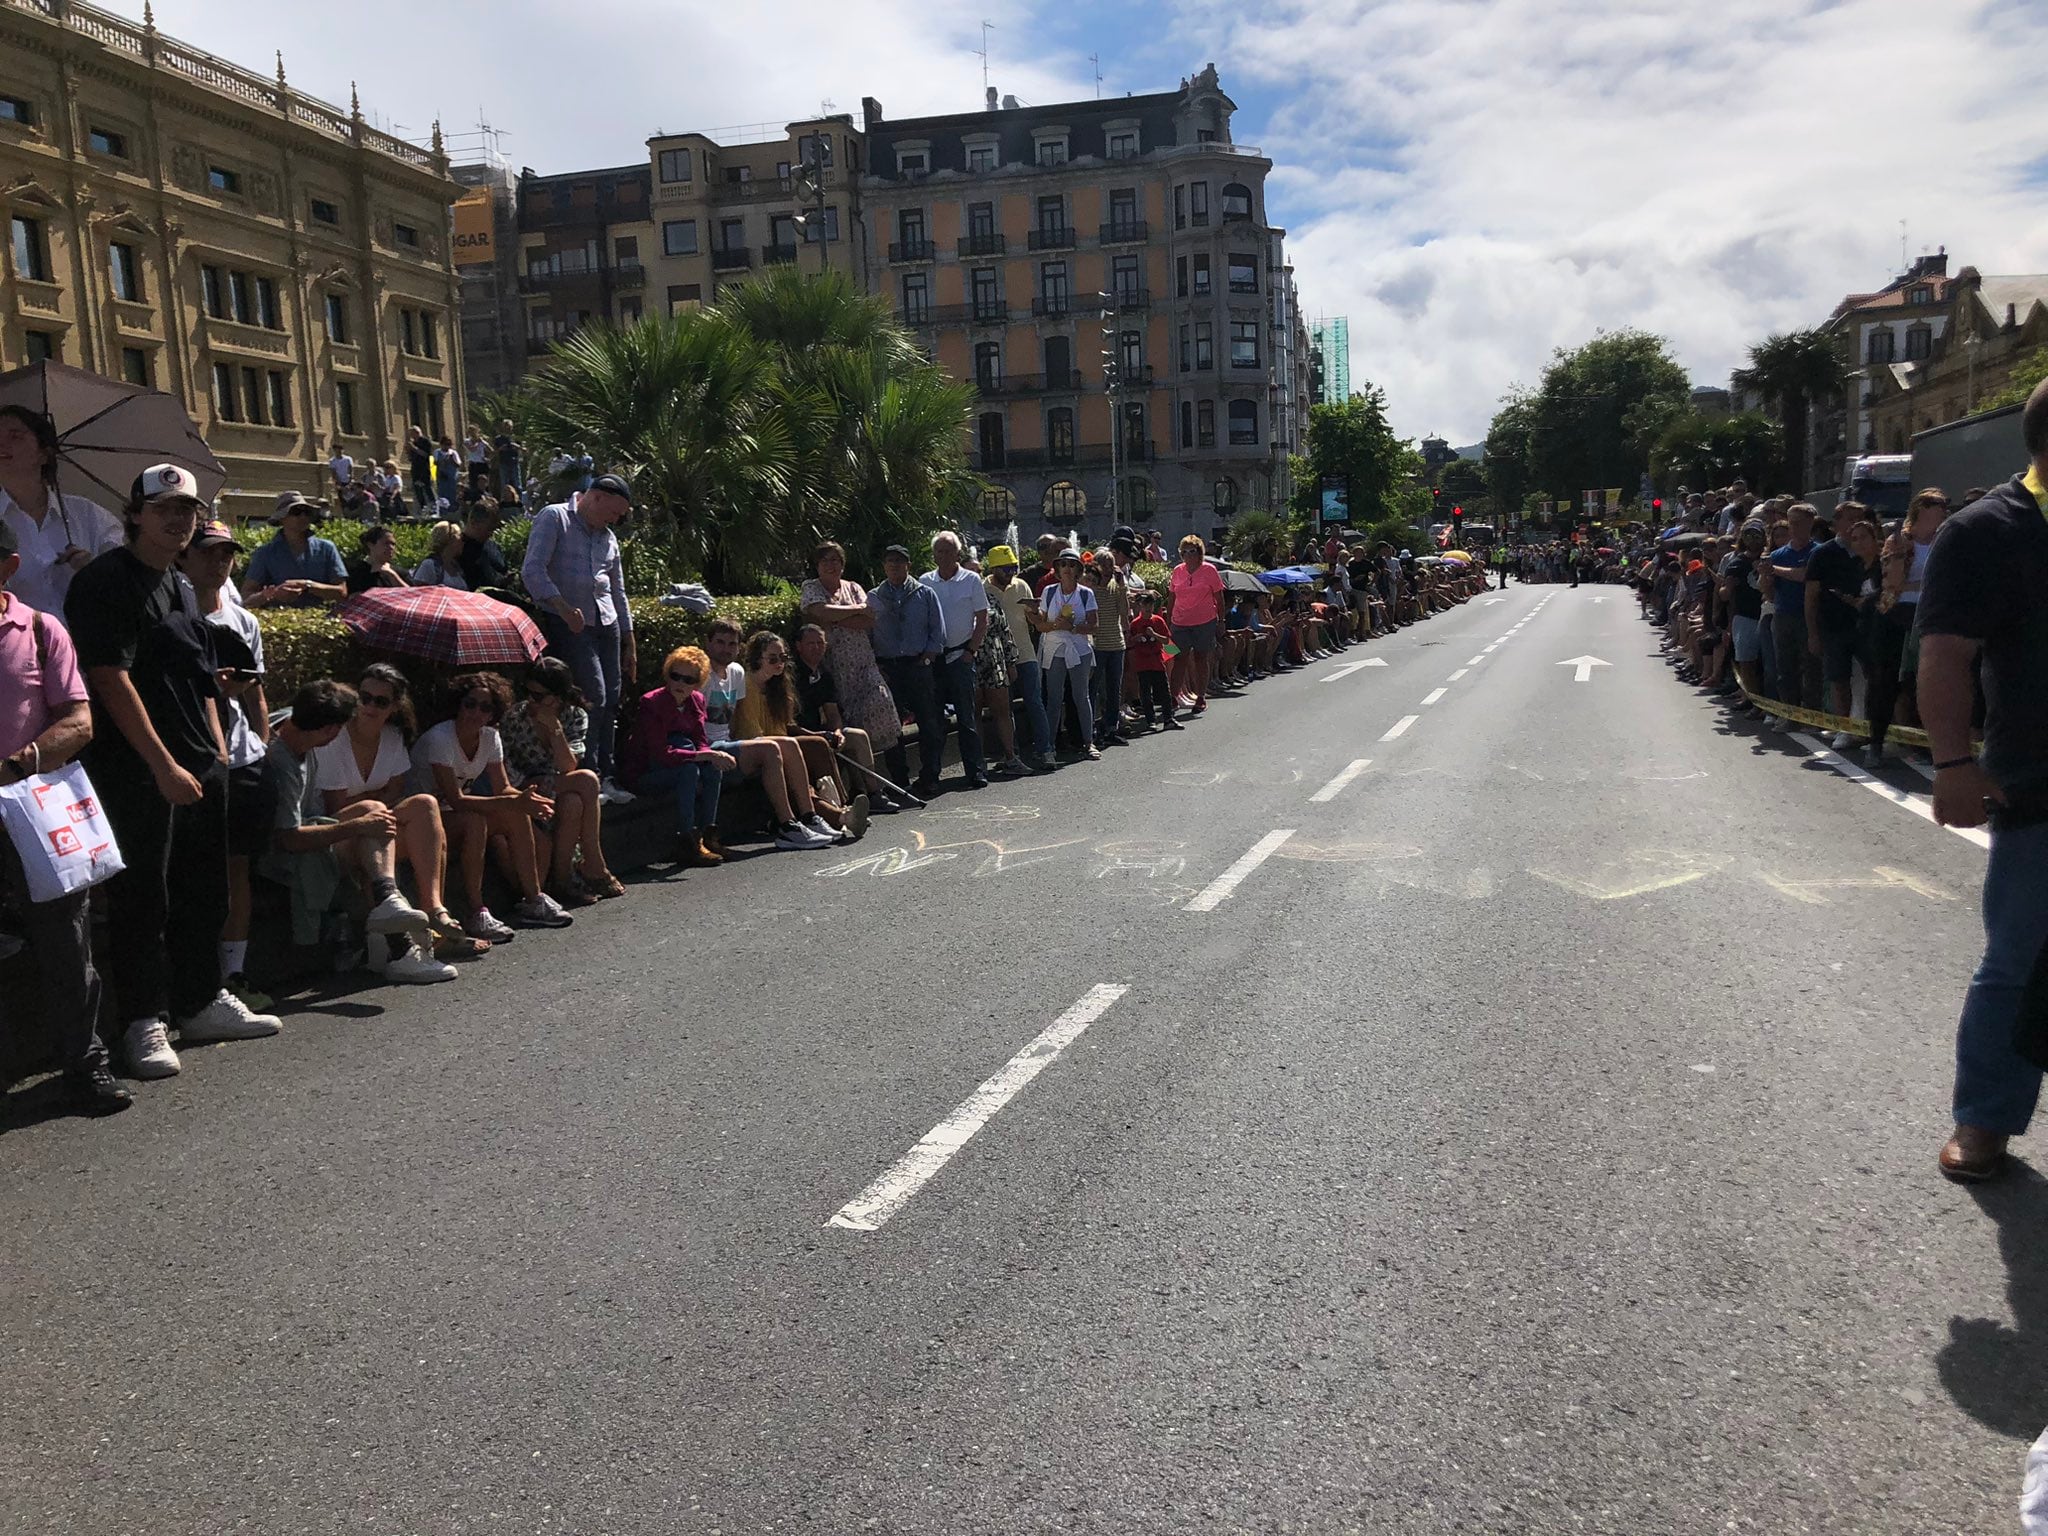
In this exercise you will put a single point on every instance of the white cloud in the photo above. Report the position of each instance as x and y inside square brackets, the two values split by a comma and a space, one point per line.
[1476, 183]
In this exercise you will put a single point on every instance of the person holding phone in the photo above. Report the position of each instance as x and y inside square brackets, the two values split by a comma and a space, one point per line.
[1066, 645]
[56, 536]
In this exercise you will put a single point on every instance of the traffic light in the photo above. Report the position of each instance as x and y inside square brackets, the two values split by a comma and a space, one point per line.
[1656, 503]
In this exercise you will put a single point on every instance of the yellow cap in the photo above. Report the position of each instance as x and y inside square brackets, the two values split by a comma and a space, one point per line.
[1002, 554]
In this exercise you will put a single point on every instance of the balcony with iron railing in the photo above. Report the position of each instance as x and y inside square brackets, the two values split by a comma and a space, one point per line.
[1049, 306]
[955, 314]
[1125, 232]
[1127, 299]
[983, 245]
[732, 259]
[1065, 381]
[911, 250]
[1079, 456]
[773, 255]
[1046, 238]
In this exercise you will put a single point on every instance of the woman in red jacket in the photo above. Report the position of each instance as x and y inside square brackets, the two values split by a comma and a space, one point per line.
[672, 740]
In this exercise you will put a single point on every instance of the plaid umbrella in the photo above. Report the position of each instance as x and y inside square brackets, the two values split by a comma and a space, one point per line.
[109, 432]
[459, 629]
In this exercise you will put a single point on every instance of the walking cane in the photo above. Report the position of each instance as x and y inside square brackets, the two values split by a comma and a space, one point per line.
[895, 789]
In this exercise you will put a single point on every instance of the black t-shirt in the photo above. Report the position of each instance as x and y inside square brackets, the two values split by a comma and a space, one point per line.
[1744, 601]
[483, 564]
[814, 690]
[124, 613]
[1839, 575]
[1987, 580]
[420, 455]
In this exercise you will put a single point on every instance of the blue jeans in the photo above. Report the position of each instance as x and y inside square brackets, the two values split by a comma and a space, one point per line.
[910, 683]
[593, 655]
[1106, 688]
[953, 681]
[1996, 1086]
[696, 787]
[1031, 689]
[1062, 678]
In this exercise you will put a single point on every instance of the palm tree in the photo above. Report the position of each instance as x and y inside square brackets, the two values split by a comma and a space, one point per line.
[1790, 370]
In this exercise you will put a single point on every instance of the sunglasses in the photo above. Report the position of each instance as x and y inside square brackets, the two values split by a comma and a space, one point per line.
[375, 700]
[685, 677]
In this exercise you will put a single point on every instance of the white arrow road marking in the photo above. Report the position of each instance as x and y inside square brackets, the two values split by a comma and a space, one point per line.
[1218, 890]
[1585, 664]
[1350, 667]
[1492, 600]
[1598, 598]
[892, 1191]
[1335, 787]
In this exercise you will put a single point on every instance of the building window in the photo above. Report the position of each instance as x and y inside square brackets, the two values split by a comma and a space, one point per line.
[345, 407]
[1052, 151]
[252, 396]
[1205, 344]
[1244, 424]
[337, 319]
[1124, 280]
[267, 314]
[1131, 353]
[1919, 342]
[1052, 215]
[987, 302]
[423, 410]
[988, 366]
[42, 347]
[30, 254]
[910, 226]
[913, 163]
[405, 234]
[679, 237]
[1123, 145]
[1187, 423]
[990, 431]
[981, 157]
[1059, 362]
[1882, 346]
[1138, 499]
[1059, 434]
[240, 305]
[14, 110]
[105, 141]
[280, 397]
[1919, 295]
[1205, 424]
[682, 296]
[1202, 276]
[1064, 502]
[125, 263]
[135, 367]
[220, 179]
[1052, 287]
[1180, 208]
[225, 407]
[1134, 432]
[816, 149]
[325, 212]
[1237, 201]
[1123, 214]
[1180, 276]
[826, 219]
[1244, 343]
[981, 221]
[211, 293]
[626, 251]
[673, 165]
[430, 335]
[917, 298]
[732, 234]
[629, 311]
[1198, 201]
[1244, 274]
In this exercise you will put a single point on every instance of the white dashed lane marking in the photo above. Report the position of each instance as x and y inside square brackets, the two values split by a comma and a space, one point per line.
[1220, 889]
[1400, 727]
[1335, 787]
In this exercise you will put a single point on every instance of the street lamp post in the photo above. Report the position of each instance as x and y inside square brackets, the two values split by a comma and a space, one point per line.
[1113, 378]
[810, 188]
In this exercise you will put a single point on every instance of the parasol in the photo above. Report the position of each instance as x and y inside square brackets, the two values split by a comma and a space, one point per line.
[1235, 580]
[1457, 554]
[459, 629]
[109, 432]
[1293, 576]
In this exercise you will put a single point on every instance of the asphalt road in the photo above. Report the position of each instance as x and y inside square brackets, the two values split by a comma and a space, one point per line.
[1540, 1138]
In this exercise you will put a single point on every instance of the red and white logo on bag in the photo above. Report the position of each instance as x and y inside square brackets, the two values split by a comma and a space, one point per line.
[42, 793]
[83, 810]
[64, 842]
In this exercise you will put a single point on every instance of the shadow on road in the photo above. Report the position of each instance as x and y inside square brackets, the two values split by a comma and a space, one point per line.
[1998, 1372]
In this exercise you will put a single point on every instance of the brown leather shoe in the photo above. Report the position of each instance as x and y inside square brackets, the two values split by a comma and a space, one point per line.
[1973, 1155]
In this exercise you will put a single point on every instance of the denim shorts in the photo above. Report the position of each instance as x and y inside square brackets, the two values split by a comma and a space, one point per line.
[1749, 639]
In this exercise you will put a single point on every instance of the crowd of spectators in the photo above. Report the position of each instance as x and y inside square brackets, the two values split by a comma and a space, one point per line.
[386, 817]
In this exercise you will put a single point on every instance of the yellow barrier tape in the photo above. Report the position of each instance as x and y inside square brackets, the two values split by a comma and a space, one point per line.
[1905, 735]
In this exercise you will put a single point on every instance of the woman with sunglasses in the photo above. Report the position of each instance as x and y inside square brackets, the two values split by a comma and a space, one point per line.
[369, 761]
[672, 740]
[461, 762]
[789, 793]
[767, 714]
[544, 735]
[372, 567]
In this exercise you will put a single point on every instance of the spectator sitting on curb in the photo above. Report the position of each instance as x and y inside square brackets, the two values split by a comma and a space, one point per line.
[818, 715]
[543, 733]
[309, 850]
[788, 791]
[767, 713]
[671, 751]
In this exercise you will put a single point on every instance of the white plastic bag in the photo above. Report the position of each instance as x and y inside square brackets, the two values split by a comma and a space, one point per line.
[60, 832]
[2034, 1492]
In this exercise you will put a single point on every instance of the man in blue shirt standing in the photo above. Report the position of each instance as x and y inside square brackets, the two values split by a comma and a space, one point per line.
[908, 636]
[573, 572]
[1798, 671]
[295, 569]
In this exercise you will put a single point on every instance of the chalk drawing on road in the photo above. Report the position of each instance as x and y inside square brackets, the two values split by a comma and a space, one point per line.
[1139, 856]
[1344, 853]
[1637, 872]
[1261, 778]
[1881, 877]
[996, 857]
[981, 811]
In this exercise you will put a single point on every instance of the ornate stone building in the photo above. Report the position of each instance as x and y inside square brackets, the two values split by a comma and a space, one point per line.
[279, 265]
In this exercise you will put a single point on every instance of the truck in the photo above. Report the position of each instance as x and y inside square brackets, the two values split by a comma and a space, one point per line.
[1981, 450]
[1883, 482]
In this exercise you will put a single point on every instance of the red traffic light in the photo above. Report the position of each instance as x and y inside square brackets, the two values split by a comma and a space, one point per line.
[1656, 503]
[1457, 511]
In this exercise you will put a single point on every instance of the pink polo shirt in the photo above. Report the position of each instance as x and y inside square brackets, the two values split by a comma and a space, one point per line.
[30, 692]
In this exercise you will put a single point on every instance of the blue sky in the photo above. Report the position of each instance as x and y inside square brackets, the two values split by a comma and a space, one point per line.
[1473, 182]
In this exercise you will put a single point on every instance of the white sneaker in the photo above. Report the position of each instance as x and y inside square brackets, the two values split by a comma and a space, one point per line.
[542, 911]
[611, 793]
[822, 827]
[149, 1050]
[416, 969]
[394, 914]
[482, 925]
[227, 1017]
[1843, 741]
[795, 835]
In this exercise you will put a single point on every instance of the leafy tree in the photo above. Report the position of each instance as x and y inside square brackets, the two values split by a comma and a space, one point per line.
[1506, 464]
[1697, 450]
[1250, 532]
[1463, 483]
[1587, 419]
[1353, 440]
[2028, 370]
[1791, 370]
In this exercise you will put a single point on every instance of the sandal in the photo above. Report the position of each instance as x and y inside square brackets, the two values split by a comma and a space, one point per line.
[571, 895]
[605, 889]
[450, 942]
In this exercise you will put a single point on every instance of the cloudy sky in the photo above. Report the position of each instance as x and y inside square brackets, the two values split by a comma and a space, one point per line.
[1472, 182]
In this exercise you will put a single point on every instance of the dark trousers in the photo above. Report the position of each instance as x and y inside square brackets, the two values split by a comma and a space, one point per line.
[1798, 672]
[1881, 662]
[165, 953]
[1108, 685]
[593, 655]
[67, 1006]
[1154, 693]
[910, 680]
[953, 681]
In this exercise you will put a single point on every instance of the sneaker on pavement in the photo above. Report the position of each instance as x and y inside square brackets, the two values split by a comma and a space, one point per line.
[394, 914]
[822, 827]
[413, 968]
[1843, 741]
[542, 911]
[611, 792]
[148, 1048]
[93, 1091]
[482, 925]
[227, 1017]
[795, 835]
